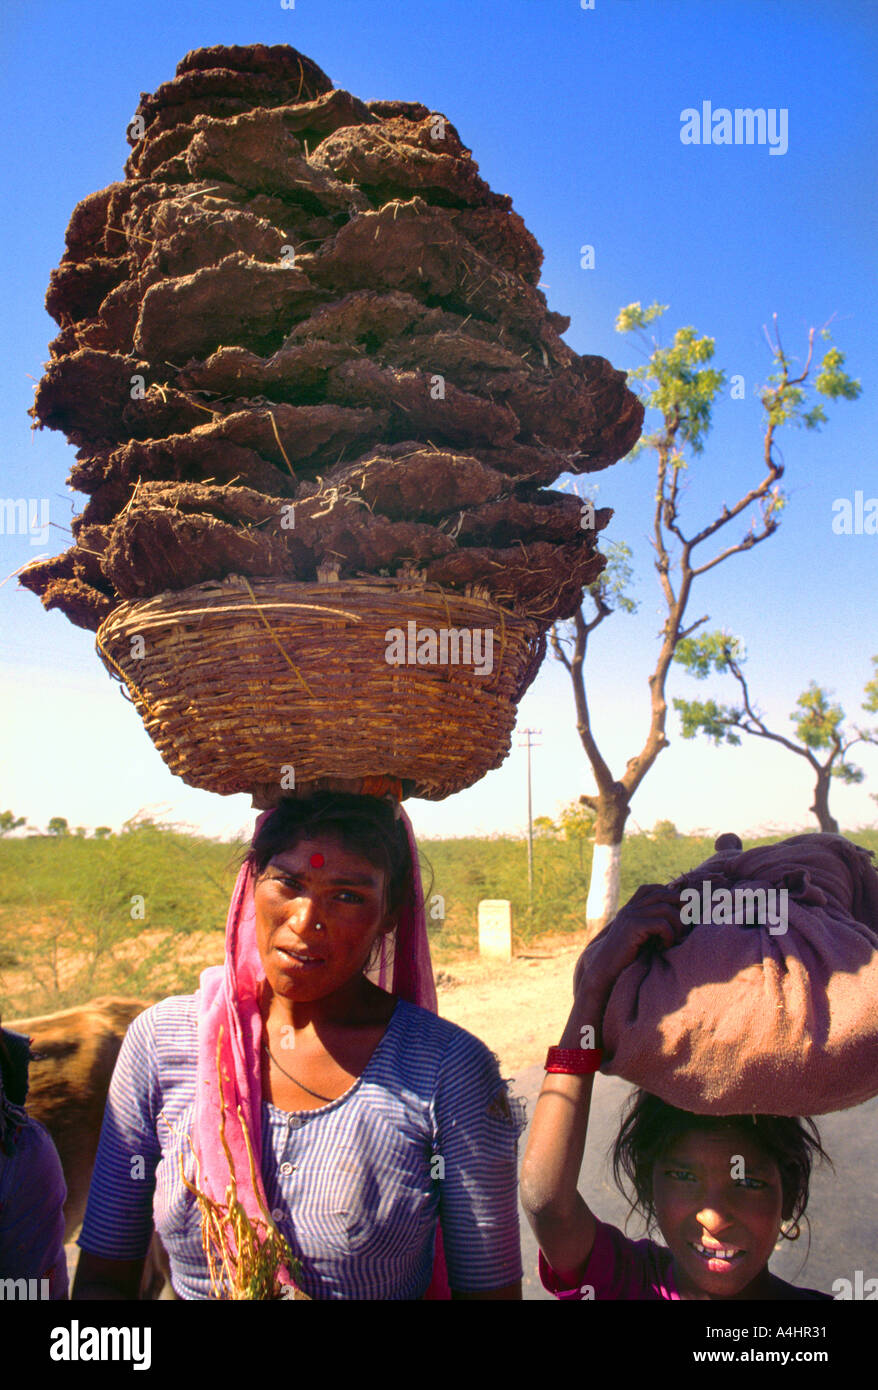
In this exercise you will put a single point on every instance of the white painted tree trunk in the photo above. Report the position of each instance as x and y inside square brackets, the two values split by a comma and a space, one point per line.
[603, 888]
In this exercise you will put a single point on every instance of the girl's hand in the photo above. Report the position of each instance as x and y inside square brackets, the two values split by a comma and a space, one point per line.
[652, 914]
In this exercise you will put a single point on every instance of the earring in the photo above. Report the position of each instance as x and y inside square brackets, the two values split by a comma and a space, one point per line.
[318, 926]
[792, 1232]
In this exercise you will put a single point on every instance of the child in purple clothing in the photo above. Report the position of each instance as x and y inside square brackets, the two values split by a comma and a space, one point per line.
[721, 1189]
[32, 1194]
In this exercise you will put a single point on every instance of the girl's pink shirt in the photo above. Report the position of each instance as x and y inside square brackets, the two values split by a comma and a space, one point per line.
[636, 1270]
[619, 1269]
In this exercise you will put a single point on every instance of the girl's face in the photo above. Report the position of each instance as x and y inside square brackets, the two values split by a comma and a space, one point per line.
[719, 1202]
[317, 882]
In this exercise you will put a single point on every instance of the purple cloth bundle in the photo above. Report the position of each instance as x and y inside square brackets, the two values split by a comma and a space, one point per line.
[769, 1002]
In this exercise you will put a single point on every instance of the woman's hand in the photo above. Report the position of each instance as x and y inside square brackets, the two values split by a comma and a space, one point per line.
[652, 914]
[101, 1279]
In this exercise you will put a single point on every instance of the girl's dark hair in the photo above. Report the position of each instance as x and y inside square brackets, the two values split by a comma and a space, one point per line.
[364, 824]
[651, 1127]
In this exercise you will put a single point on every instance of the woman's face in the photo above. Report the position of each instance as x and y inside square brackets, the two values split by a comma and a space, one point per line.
[318, 881]
[718, 1200]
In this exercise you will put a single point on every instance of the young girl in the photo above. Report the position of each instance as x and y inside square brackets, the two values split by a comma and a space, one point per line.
[720, 1189]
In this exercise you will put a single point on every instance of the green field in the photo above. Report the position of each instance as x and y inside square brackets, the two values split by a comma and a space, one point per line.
[142, 913]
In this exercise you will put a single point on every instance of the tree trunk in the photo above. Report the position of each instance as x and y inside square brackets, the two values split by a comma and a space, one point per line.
[827, 821]
[603, 890]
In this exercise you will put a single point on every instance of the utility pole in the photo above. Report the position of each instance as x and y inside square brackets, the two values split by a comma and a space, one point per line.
[529, 733]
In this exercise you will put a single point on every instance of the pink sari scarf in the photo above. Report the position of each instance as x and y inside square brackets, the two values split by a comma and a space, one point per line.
[228, 999]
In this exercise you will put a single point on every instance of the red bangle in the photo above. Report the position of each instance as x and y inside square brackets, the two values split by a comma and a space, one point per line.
[574, 1061]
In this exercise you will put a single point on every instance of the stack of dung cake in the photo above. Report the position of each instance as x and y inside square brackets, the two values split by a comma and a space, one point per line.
[317, 396]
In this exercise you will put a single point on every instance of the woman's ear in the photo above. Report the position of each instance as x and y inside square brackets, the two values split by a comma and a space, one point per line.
[390, 923]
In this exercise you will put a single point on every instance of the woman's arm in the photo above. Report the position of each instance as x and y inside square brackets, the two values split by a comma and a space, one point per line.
[97, 1278]
[509, 1291]
[476, 1136]
[561, 1220]
[117, 1227]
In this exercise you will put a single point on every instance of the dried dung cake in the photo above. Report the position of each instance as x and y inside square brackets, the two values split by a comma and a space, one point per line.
[304, 338]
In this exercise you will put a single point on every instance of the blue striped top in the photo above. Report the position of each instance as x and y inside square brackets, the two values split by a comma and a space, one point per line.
[356, 1186]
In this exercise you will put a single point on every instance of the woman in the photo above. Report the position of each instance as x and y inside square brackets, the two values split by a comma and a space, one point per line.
[369, 1117]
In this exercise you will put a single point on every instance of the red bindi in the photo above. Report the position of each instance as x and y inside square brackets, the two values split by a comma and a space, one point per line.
[317, 861]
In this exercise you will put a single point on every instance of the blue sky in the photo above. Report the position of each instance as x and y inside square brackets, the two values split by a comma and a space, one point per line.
[576, 114]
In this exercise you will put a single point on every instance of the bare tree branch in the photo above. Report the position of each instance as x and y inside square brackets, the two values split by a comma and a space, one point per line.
[760, 730]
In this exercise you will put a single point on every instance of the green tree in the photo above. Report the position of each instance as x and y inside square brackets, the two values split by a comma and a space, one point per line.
[577, 822]
[681, 385]
[817, 722]
[102, 831]
[58, 826]
[10, 822]
[544, 827]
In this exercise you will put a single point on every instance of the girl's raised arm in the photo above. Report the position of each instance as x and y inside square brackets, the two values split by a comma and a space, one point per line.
[562, 1222]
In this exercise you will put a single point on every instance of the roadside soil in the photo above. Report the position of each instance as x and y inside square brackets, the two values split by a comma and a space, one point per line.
[518, 1008]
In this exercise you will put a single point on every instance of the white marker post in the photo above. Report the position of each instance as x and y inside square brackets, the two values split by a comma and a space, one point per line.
[495, 928]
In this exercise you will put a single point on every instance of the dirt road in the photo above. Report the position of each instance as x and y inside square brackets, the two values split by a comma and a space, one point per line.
[519, 1009]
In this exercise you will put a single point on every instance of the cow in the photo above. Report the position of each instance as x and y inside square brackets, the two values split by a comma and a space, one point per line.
[75, 1051]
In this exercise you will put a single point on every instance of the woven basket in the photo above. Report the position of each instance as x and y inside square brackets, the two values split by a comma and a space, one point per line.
[245, 686]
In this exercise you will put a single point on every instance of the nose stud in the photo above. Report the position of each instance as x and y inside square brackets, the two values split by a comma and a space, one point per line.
[318, 926]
